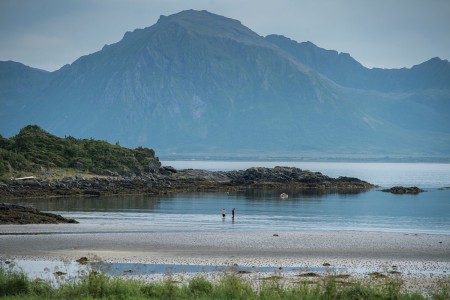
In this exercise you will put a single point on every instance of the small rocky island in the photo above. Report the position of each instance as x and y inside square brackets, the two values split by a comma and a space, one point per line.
[400, 190]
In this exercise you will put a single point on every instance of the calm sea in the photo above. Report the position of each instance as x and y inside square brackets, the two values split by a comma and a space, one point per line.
[373, 210]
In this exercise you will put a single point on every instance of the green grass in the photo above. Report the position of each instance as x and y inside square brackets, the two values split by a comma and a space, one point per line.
[99, 286]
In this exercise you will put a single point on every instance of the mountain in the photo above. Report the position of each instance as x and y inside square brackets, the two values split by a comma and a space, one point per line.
[18, 84]
[196, 83]
[346, 71]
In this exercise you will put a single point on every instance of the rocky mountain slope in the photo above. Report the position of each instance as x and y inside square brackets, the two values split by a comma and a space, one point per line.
[196, 82]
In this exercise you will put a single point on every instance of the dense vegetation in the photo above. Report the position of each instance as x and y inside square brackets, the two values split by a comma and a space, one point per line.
[34, 151]
[98, 286]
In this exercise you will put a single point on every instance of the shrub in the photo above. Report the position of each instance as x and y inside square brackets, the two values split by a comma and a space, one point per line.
[33, 148]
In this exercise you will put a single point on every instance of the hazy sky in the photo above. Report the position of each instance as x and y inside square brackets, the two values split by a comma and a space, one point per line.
[48, 34]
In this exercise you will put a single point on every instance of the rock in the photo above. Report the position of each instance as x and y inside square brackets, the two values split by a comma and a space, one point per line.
[377, 275]
[82, 260]
[309, 274]
[153, 166]
[17, 214]
[167, 170]
[92, 193]
[399, 190]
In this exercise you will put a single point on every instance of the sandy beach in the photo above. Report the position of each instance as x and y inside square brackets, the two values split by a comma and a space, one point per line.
[153, 242]
[415, 257]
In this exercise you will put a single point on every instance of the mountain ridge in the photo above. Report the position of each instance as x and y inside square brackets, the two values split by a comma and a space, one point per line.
[196, 82]
[325, 61]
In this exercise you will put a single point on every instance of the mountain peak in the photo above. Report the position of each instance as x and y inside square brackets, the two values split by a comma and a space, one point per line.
[436, 61]
[209, 24]
[198, 17]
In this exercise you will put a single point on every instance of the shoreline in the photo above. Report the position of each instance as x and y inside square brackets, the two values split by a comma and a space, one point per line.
[421, 260]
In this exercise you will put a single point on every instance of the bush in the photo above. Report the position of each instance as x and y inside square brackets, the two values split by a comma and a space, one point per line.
[33, 148]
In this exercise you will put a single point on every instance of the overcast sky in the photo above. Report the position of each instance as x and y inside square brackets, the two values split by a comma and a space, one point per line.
[48, 34]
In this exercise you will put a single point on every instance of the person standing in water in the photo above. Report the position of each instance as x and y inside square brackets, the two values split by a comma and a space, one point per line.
[232, 213]
[224, 211]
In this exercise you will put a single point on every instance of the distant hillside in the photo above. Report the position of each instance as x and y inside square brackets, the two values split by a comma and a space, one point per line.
[196, 84]
[34, 151]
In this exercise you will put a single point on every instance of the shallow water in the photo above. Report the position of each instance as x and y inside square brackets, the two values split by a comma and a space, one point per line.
[57, 271]
[373, 210]
[54, 269]
[428, 212]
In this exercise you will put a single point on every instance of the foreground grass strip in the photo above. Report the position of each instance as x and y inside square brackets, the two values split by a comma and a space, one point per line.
[99, 286]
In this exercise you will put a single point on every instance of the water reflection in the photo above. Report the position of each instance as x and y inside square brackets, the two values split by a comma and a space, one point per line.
[86, 204]
[147, 203]
[264, 209]
[306, 193]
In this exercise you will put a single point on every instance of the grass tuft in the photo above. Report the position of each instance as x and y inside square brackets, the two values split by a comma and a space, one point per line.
[13, 283]
[100, 286]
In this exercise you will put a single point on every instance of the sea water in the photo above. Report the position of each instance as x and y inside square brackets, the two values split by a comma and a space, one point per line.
[373, 210]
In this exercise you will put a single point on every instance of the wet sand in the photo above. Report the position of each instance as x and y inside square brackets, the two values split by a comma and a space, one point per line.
[418, 257]
[185, 244]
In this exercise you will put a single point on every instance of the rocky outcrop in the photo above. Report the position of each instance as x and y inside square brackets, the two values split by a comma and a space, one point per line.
[17, 214]
[168, 179]
[291, 176]
[403, 190]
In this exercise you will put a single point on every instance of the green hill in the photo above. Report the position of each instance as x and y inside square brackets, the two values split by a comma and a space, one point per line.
[36, 152]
